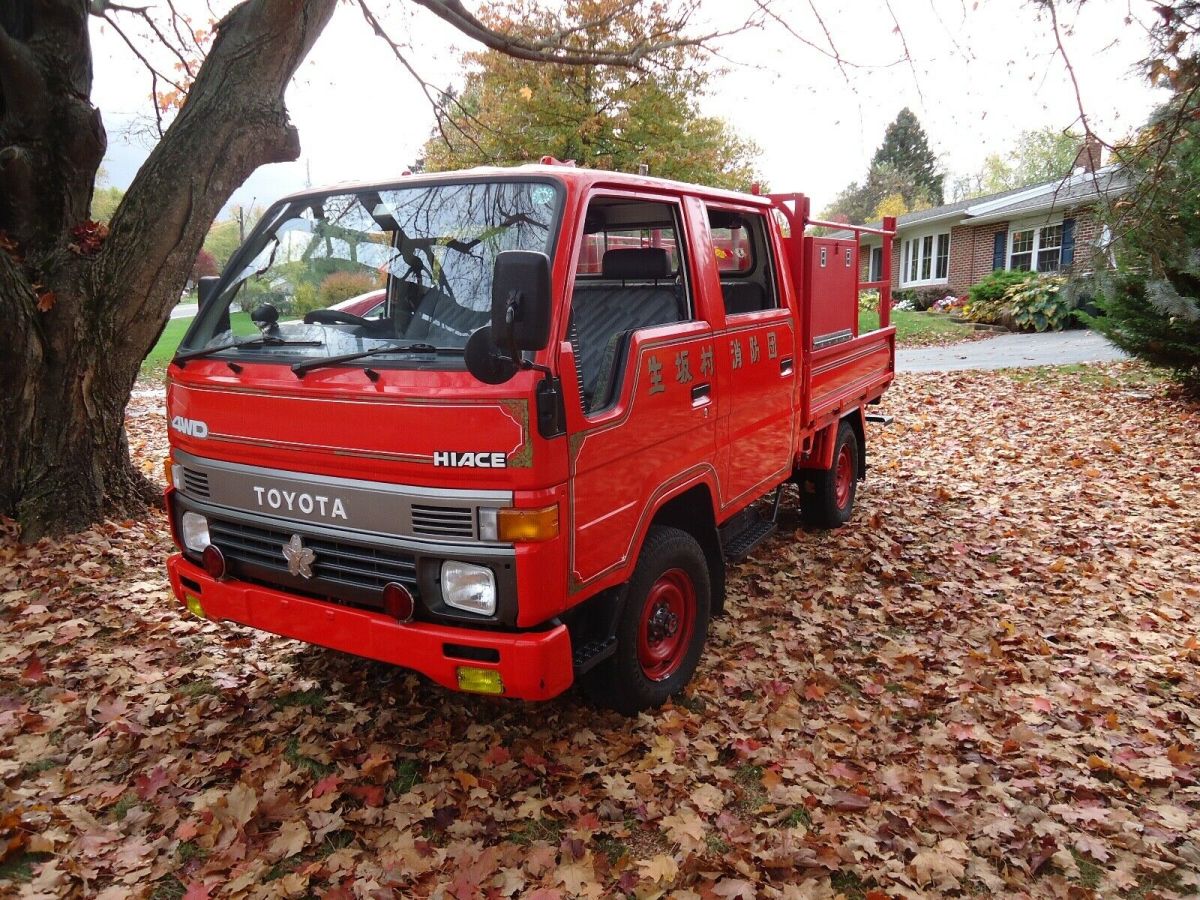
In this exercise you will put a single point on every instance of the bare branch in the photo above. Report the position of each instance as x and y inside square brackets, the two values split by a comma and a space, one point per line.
[453, 12]
[142, 58]
[904, 44]
[436, 97]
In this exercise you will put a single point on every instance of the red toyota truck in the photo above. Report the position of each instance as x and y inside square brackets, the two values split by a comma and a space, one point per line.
[533, 465]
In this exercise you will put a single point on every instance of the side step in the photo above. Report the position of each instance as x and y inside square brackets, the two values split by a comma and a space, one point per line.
[742, 542]
[879, 419]
[593, 653]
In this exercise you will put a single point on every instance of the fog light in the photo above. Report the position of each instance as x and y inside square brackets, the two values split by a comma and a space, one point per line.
[192, 602]
[193, 528]
[398, 602]
[479, 681]
[469, 588]
[213, 561]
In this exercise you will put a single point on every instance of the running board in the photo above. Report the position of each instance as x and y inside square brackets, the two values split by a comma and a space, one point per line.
[593, 653]
[743, 542]
[879, 419]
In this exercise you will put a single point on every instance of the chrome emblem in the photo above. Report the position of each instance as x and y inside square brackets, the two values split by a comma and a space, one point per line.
[299, 558]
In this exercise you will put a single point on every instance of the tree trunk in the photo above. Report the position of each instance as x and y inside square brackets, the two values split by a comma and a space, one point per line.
[80, 310]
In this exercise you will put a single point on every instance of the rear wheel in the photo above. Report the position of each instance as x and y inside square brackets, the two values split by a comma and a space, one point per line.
[829, 501]
[662, 627]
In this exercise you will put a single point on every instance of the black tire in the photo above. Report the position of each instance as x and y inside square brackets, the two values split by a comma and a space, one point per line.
[827, 497]
[635, 678]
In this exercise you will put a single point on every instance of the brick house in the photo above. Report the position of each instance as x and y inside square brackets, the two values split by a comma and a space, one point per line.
[1050, 227]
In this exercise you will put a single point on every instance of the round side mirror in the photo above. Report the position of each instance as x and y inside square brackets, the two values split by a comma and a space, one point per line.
[485, 360]
[264, 315]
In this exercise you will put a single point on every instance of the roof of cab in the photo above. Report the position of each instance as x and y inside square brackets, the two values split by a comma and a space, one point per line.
[568, 174]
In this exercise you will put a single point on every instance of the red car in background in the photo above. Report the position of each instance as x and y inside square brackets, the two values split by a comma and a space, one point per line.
[365, 306]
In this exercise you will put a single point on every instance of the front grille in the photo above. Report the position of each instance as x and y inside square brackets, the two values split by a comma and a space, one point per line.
[336, 563]
[443, 521]
[195, 482]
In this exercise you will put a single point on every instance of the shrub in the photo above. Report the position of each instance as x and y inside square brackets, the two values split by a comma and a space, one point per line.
[305, 299]
[1040, 304]
[343, 285]
[868, 301]
[986, 299]
[1151, 304]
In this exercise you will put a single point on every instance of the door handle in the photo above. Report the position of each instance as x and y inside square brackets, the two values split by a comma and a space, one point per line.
[701, 394]
[785, 366]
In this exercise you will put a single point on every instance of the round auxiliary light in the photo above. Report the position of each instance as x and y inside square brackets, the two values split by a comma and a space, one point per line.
[213, 561]
[398, 602]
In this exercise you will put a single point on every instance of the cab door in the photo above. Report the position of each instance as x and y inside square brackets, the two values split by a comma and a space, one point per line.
[638, 369]
[756, 356]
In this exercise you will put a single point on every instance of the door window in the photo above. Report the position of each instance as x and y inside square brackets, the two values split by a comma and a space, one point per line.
[743, 257]
[630, 275]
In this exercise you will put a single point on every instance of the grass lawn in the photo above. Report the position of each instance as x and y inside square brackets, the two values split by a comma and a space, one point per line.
[168, 342]
[914, 329]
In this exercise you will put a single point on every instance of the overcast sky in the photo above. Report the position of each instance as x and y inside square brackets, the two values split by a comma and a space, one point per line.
[975, 74]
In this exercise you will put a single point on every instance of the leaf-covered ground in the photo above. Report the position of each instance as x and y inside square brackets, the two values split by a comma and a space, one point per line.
[988, 683]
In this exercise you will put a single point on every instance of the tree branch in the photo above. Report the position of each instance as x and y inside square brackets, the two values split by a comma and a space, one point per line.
[633, 57]
[233, 121]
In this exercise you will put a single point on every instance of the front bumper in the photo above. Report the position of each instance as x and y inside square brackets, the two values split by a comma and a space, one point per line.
[532, 665]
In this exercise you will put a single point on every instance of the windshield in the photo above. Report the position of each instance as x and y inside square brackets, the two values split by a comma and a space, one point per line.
[347, 272]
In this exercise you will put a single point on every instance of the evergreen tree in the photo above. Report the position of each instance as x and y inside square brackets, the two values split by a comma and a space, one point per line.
[903, 173]
[1152, 301]
[905, 148]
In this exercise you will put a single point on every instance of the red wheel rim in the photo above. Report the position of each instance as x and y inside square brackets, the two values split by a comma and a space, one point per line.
[668, 620]
[843, 473]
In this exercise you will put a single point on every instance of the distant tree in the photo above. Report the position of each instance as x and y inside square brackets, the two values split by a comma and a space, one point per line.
[512, 111]
[1040, 155]
[884, 186]
[905, 148]
[903, 172]
[1151, 304]
[204, 266]
[105, 201]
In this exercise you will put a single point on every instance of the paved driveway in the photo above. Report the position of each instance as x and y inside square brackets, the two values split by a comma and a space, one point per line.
[1008, 351]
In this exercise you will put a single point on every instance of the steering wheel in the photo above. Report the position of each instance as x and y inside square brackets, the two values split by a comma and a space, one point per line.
[335, 317]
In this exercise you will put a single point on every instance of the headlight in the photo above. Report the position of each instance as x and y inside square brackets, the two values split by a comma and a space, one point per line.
[470, 588]
[193, 528]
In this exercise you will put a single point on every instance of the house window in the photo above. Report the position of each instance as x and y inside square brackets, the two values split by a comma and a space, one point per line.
[925, 259]
[875, 264]
[1036, 249]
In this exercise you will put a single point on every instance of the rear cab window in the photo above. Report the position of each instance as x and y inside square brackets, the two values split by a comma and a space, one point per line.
[743, 258]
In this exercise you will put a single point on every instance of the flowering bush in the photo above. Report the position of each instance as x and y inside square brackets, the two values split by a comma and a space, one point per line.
[949, 303]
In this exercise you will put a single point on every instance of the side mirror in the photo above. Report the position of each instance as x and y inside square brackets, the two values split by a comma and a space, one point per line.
[521, 300]
[485, 360]
[206, 290]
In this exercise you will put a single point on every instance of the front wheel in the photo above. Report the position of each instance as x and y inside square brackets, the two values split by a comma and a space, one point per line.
[662, 628]
[827, 497]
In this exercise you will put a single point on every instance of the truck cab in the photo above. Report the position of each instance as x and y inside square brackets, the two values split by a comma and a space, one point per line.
[529, 465]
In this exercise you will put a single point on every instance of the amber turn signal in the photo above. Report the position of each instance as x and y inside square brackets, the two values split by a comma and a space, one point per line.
[527, 524]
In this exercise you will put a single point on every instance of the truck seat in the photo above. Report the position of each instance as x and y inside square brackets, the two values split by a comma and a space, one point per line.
[743, 297]
[440, 320]
[636, 290]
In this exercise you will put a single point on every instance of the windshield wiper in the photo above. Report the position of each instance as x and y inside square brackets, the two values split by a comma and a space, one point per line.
[265, 341]
[301, 368]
